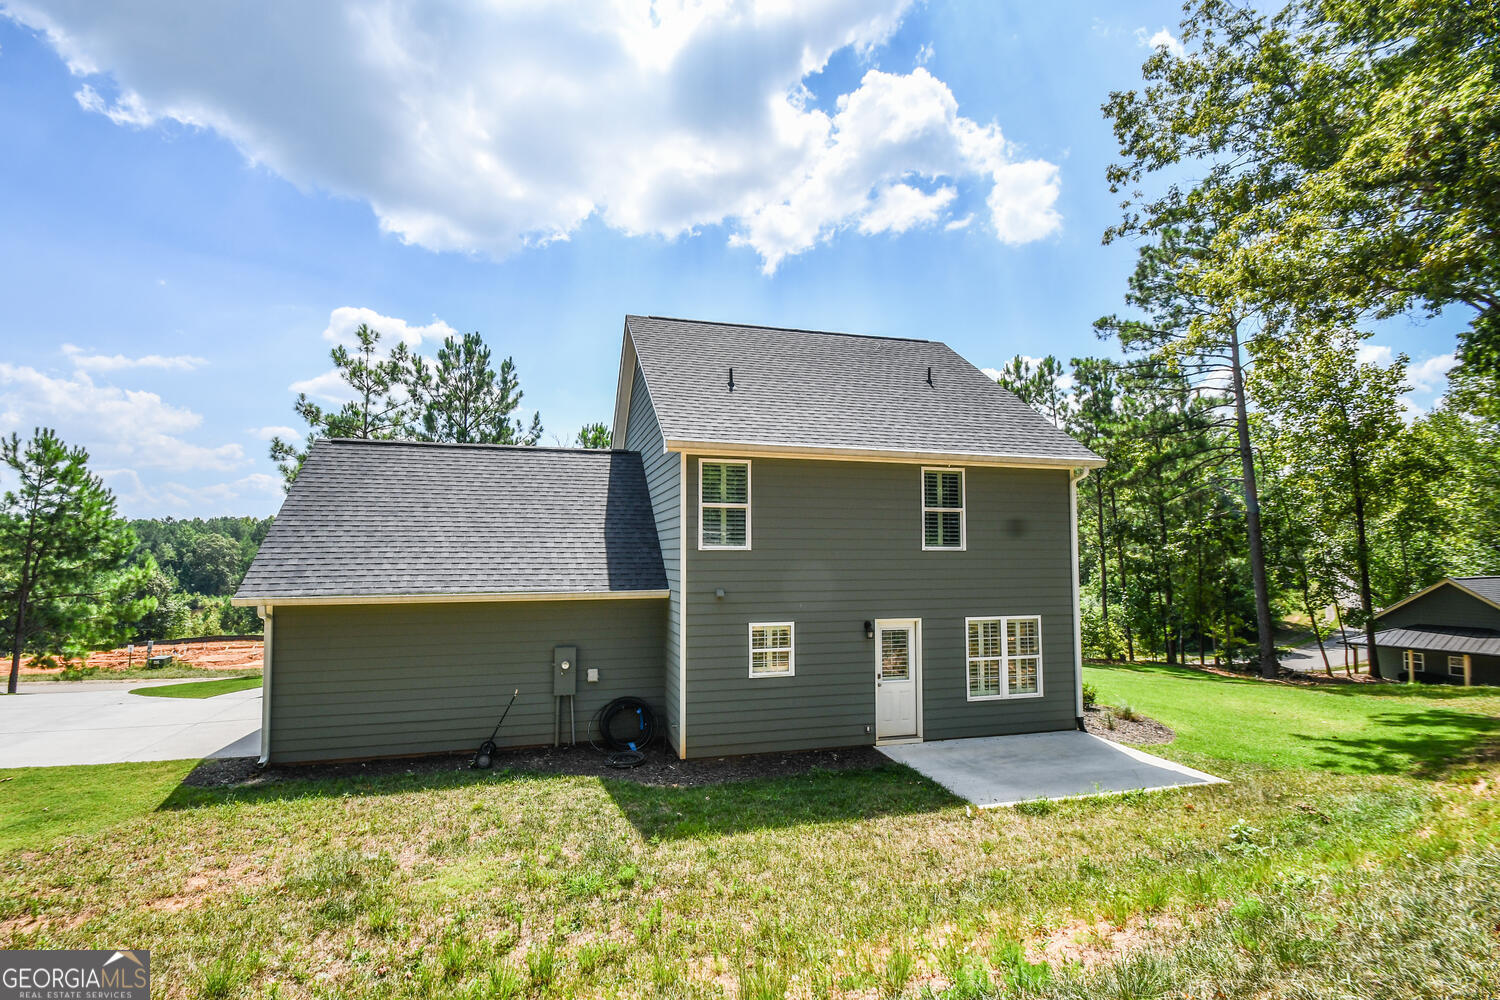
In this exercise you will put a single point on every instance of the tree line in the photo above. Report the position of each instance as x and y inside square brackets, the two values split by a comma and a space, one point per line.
[1287, 178]
[461, 397]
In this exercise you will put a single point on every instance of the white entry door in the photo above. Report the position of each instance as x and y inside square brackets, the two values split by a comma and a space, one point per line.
[898, 672]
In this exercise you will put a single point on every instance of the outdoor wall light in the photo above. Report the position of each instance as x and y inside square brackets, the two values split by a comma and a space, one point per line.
[869, 630]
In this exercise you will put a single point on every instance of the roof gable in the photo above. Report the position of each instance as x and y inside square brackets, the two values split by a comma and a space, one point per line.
[833, 392]
[1483, 590]
[386, 518]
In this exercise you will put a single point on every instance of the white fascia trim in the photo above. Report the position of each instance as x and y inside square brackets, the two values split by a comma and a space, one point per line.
[623, 389]
[1446, 581]
[265, 612]
[569, 595]
[731, 449]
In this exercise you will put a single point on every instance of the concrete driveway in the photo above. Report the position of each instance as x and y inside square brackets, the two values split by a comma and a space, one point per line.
[107, 725]
[1003, 770]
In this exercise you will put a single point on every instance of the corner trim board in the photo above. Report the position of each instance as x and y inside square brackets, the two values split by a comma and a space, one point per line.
[682, 609]
[265, 683]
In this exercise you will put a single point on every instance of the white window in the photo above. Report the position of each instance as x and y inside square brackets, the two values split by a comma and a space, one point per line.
[1005, 657]
[724, 505]
[1455, 665]
[771, 652]
[943, 509]
[1412, 660]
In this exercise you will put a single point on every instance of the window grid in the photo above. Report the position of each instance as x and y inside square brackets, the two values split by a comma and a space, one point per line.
[1004, 656]
[723, 504]
[943, 520]
[1415, 661]
[1455, 665]
[772, 649]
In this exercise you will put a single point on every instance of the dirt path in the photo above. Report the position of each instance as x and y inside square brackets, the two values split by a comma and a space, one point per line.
[217, 654]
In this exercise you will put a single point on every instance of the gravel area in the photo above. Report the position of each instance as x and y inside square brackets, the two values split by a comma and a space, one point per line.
[1139, 731]
[660, 768]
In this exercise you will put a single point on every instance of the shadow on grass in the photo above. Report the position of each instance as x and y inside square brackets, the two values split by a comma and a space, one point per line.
[1420, 744]
[656, 811]
[771, 803]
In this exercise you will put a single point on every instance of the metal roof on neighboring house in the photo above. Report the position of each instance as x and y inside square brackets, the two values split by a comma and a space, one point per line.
[1443, 639]
[809, 391]
[388, 518]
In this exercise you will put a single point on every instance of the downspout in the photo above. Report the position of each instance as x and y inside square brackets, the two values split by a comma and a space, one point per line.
[1074, 477]
[265, 685]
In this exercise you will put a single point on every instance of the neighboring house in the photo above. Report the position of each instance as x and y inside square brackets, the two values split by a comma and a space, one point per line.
[1448, 633]
[799, 540]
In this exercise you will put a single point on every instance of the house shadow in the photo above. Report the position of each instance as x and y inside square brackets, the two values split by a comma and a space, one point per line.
[665, 799]
[632, 555]
[1426, 744]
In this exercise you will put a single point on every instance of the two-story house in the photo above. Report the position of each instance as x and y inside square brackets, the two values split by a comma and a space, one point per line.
[798, 540]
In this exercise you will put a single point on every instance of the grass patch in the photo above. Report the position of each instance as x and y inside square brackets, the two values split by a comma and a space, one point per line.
[39, 805]
[1295, 879]
[1344, 728]
[176, 670]
[201, 689]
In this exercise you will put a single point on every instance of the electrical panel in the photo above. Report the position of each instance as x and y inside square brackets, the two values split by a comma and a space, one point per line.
[564, 670]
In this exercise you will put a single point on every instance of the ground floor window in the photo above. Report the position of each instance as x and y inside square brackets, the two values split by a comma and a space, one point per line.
[1004, 657]
[1411, 660]
[1455, 665]
[771, 649]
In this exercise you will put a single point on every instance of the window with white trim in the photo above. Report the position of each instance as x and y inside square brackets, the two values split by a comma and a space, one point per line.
[1412, 660]
[771, 653]
[943, 509]
[1455, 665]
[1004, 657]
[723, 505]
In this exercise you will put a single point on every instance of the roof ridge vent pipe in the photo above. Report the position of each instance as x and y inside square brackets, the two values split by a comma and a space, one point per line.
[731, 378]
[929, 375]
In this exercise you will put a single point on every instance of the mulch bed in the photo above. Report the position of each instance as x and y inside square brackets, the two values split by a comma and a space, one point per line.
[661, 767]
[1139, 731]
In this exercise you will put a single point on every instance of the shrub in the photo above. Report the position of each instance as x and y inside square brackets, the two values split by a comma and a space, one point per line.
[1090, 696]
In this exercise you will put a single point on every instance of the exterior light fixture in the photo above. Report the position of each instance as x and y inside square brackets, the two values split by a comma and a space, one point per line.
[869, 630]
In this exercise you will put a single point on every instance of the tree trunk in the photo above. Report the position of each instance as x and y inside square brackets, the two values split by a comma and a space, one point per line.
[1166, 584]
[1362, 557]
[1312, 617]
[1266, 639]
[1109, 650]
[1338, 619]
[1114, 507]
[17, 643]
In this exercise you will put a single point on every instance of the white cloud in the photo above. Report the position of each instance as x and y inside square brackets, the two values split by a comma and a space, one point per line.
[343, 321]
[1428, 378]
[1374, 354]
[155, 496]
[276, 430]
[119, 362]
[925, 54]
[1162, 39]
[491, 127]
[118, 425]
[958, 224]
[1431, 374]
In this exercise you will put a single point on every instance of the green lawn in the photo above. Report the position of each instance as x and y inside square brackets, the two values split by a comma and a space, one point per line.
[1313, 873]
[201, 689]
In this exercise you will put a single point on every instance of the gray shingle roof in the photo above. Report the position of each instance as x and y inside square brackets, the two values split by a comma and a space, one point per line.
[1487, 587]
[372, 518]
[801, 389]
[1440, 638]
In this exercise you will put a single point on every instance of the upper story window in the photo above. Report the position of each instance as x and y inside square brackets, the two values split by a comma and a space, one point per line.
[724, 505]
[943, 509]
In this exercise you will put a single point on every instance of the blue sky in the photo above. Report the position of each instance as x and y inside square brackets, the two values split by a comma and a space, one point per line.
[198, 201]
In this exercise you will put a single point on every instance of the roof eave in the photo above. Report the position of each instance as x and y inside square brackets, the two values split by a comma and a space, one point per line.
[1445, 581]
[274, 600]
[753, 449]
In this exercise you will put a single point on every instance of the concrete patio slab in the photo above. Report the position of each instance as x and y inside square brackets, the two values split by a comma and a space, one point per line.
[995, 771]
[111, 725]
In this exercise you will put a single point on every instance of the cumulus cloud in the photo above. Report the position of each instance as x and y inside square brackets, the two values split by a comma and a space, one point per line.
[274, 431]
[492, 127]
[344, 320]
[1162, 39]
[154, 496]
[1428, 377]
[118, 362]
[120, 425]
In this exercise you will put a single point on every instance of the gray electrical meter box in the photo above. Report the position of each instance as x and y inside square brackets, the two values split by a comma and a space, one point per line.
[564, 670]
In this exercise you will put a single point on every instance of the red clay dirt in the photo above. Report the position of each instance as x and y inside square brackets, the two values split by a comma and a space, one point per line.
[217, 654]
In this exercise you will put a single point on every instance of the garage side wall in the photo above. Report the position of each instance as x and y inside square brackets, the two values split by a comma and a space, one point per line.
[384, 680]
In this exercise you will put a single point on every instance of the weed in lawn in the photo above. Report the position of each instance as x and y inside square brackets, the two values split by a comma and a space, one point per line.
[898, 970]
[228, 975]
[504, 982]
[762, 981]
[541, 965]
[1035, 807]
[1020, 974]
[1124, 711]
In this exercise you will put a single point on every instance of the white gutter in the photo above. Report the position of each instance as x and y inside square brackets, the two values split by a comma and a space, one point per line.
[265, 686]
[786, 450]
[494, 598]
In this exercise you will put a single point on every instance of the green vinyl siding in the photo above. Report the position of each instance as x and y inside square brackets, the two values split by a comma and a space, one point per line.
[392, 679]
[663, 474]
[838, 543]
